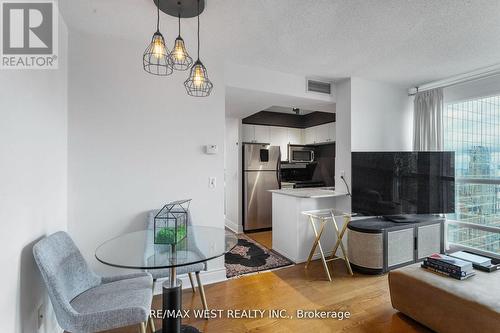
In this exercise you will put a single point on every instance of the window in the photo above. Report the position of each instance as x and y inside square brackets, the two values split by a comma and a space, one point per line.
[472, 130]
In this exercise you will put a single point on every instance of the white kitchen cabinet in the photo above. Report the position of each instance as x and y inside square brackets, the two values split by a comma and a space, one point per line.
[247, 133]
[331, 131]
[262, 134]
[255, 133]
[310, 135]
[295, 136]
[282, 136]
[320, 134]
[279, 137]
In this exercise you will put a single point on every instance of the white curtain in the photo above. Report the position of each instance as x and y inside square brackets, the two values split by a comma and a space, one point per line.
[428, 120]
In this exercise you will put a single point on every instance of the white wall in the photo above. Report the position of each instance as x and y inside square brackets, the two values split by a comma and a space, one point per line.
[343, 141]
[274, 82]
[232, 161]
[33, 184]
[253, 89]
[371, 116]
[381, 116]
[136, 141]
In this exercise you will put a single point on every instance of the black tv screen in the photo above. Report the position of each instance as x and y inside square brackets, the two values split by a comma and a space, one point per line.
[399, 183]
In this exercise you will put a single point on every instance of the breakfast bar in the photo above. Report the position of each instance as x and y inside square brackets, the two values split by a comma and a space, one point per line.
[292, 233]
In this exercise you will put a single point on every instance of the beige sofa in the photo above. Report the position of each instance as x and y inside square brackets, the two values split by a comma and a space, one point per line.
[445, 304]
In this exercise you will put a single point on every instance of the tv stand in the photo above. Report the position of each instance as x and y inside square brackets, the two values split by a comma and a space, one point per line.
[402, 218]
[376, 245]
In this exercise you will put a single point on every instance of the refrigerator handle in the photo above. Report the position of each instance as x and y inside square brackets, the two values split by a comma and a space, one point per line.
[278, 170]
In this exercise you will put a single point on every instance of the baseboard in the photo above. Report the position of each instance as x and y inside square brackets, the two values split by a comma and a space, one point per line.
[235, 227]
[207, 277]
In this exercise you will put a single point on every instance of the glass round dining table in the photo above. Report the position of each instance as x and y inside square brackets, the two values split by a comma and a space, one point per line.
[137, 250]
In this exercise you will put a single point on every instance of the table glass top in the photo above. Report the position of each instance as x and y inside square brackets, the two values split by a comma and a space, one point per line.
[137, 249]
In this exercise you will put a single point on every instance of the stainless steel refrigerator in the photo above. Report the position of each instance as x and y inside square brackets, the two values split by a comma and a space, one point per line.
[261, 173]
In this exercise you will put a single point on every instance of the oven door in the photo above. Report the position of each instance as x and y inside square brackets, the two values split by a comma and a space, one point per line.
[300, 155]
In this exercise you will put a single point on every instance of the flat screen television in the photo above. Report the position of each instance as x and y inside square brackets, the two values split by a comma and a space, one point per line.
[400, 183]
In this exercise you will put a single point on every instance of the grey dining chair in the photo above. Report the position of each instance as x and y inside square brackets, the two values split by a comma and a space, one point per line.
[84, 301]
[189, 269]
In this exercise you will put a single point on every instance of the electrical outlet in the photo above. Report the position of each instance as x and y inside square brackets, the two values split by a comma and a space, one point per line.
[342, 174]
[212, 182]
[40, 316]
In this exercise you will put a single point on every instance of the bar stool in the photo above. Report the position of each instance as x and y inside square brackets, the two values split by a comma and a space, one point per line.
[324, 216]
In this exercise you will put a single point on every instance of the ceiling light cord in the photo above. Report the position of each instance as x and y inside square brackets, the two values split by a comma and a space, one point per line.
[158, 17]
[179, 22]
[198, 29]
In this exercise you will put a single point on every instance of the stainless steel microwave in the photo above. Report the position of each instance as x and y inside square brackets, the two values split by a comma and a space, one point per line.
[300, 154]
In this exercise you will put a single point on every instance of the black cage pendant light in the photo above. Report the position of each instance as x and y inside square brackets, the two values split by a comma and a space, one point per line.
[156, 58]
[198, 83]
[179, 56]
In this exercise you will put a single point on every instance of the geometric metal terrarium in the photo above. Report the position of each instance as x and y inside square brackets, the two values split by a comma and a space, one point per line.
[170, 224]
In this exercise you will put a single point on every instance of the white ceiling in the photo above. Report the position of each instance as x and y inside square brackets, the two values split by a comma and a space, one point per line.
[397, 41]
[241, 103]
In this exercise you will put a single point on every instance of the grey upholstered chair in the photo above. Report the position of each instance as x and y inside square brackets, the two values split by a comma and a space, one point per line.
[189, 269]
[84, 301]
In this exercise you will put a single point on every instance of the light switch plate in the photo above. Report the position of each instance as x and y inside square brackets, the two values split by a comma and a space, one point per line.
[211, 149]
[212, 182]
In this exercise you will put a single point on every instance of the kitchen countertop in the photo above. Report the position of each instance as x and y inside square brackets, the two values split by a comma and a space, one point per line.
[313, 192]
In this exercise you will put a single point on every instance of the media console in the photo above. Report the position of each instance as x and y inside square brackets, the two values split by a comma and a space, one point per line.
[376, 245]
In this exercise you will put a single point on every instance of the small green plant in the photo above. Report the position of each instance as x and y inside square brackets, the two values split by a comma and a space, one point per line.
[168, 235]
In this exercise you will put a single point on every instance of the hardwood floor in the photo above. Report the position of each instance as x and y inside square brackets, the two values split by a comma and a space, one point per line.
[264, 237]
[365, 297]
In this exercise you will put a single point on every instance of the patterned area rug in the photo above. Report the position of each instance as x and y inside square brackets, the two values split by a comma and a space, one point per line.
[248, 256]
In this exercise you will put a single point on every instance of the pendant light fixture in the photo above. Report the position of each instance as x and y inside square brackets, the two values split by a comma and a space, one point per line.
[156, 58]
[179, 57]
[198, 83]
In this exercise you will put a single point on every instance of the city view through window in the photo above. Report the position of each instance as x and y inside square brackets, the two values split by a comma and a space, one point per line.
[472, 130]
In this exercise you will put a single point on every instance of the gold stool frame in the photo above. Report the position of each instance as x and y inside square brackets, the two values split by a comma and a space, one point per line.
[314, 216]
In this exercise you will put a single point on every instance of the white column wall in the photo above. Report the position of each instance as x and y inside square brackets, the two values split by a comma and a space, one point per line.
[33, 185]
